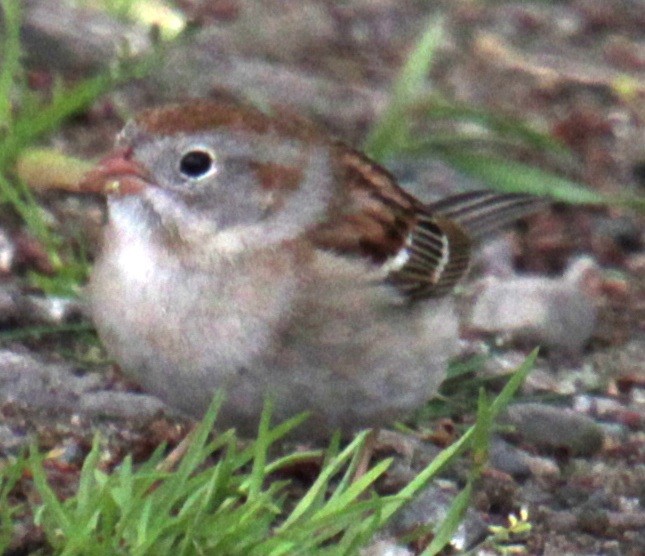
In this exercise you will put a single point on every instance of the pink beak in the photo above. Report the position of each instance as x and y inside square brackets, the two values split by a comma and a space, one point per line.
[116, 174]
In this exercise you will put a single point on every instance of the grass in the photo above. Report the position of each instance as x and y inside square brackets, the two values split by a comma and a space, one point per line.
[476, 138]
[227, 499]
[24, 121]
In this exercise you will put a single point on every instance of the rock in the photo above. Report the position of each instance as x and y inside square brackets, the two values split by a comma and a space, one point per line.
[618, 233]
[508, 459]
[385, 547]
[557, 313]
[496, 492]
[554, 429]
[7, 252]
[542, 466]
[61, 37]
[520, 464]
[11, 442]
[496, 257]
[121, 405]
[202, 68]
[57, 388]
[8, 309]
[47, 310]
[41, 384]
[430, 508]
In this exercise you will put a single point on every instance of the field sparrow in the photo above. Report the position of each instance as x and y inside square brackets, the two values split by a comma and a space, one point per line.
[257, 255]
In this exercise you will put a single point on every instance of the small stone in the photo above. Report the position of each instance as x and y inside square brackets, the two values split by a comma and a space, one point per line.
[121, 405]
[385, 547]
[496, 257]
[555, 428]
[65, 38]
[508, 459]
[71, 452]
[8, 309]
[542, 466]
[10, 442]
[41, 384]
[593, 520]
[556, 313]
[49, 310]
[623, 231]
[497, 492]
[7, 252]
[518, 463]
[430, 508]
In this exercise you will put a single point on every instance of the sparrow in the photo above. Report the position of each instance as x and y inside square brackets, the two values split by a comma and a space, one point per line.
[252, 253]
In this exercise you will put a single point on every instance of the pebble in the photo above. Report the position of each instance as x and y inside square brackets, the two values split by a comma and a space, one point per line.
[551, 428]
[430, 508]
[557, 313]
[57, 387]
[121, 405]
[48, 310]
[509, 459]
[8, 309]
[518, 463]
[7, 252]
[604, 408]
[64, 38]
[385, 547]
[24, 378]
[496, 257]
[11, 442]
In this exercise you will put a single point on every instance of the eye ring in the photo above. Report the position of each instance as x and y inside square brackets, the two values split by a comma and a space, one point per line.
[197, 163]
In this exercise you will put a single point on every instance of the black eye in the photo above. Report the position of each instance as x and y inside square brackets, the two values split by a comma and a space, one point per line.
[196, 164]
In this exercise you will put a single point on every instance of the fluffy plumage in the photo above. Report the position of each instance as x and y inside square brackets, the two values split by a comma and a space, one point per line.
[254, 254]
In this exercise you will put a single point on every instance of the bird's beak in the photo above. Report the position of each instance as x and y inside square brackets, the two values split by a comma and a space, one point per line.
[117, 174]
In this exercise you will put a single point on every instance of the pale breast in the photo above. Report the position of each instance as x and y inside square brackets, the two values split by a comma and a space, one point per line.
[318, 332]
[150, 310]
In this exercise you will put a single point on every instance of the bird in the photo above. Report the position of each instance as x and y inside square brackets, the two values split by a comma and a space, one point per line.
[250, 252]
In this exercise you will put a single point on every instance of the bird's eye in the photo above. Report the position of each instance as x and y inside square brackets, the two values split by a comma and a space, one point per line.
[196, 164]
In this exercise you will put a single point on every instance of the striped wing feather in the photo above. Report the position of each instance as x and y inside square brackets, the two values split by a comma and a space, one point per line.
[425, 249]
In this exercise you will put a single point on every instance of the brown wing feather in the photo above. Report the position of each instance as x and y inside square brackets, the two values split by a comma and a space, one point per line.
[481, 212]
[436, 256]
[371, 215]
[425, 249]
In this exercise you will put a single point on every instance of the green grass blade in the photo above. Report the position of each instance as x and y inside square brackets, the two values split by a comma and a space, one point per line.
[86, 493]
[426, 475]
[392, 128]
[355, 489]
[262, 444]
[317, 489]
[451, 522]
[31, 125]
[275, 434]
[10, 474]
[37, 118]
[514, 177]
[500, 125]
[40, 331]
[504, 397]
[52, 510]
[291, 460]
[10, 68]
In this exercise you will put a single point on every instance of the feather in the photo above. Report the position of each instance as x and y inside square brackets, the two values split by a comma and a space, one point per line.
[424, 250]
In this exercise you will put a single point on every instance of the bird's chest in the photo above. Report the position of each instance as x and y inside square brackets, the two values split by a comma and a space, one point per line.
[149, 303]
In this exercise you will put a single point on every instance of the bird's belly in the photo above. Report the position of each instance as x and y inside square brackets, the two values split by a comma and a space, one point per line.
[325, 349]
[181, 335]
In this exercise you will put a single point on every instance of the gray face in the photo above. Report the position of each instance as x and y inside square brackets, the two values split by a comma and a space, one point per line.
[236, 179]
